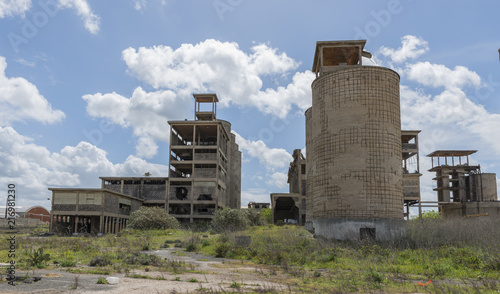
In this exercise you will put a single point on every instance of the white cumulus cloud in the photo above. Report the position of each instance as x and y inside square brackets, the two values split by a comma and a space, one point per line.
[83, 9]
[146, 147]
[438, 75]
[33, 168]
[147, 113]
[21, 100]
[278, 179]
[223, 68]
[269, 157]
[14, 7]
[411, 48]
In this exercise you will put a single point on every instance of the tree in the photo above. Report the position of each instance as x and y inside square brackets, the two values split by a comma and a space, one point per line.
[229, 220]
[147, 218]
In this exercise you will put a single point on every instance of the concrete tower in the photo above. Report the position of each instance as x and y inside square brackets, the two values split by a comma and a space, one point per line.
[353, 139]
[205, 164]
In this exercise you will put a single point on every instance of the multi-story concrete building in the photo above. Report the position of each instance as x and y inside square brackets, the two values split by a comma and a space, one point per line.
[90, 211]
[205, 164]
[462, 189]
[152, 190]
[411, 171]
[205, 174]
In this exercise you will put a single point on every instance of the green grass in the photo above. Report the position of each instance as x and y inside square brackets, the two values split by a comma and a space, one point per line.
[460, 257]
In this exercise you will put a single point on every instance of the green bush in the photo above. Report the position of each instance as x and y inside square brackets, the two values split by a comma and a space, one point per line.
[229, 220]
[255, 217]
[267, 215]
[68, 263]
[191, 247]
[222, 249]
[100, 261]
[148, 218]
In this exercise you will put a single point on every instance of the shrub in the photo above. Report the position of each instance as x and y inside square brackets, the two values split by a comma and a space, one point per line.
[100, 261]
[374, 276]
[229, 220]
[68, 263]
[267, 215]
[37, 258]
[191, 247]
[147, 218]
[222, 249]
[255, 217]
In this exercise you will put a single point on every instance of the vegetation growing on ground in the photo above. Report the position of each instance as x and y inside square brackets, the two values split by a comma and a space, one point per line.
[450, 256]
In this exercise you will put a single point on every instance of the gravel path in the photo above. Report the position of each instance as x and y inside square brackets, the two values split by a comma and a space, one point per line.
[206, 272]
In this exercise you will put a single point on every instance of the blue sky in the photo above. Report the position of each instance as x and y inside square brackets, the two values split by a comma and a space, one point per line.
[86, 87]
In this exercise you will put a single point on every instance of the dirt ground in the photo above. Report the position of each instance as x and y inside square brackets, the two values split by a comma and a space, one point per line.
[207, 275]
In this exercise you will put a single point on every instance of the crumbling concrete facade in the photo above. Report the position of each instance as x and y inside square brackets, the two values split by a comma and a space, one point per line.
[152, 190]
[353, 144]
[291, 207]
[205, 164]
[90, 211]
[411, 171]
[462, 189]
[205, 174]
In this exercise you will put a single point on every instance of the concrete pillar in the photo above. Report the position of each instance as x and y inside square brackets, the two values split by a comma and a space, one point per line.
[76, 224]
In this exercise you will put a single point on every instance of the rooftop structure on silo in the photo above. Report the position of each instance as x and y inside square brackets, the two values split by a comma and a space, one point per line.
[330, 55]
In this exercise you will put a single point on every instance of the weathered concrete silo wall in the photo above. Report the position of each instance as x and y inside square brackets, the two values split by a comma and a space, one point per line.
[355, 151]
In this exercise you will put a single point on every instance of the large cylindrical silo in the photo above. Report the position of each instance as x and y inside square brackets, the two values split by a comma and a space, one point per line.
[355, 151]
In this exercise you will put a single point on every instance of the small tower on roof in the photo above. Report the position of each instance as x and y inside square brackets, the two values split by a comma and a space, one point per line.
[330, 55]
[207, 111]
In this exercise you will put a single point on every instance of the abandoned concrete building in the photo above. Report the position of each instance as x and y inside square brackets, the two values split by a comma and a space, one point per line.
[205, 164]
[90, 210]
[291, 207]
[353, 146]
[205, 174]
[151, 190]
[462, 189]
[259, 205]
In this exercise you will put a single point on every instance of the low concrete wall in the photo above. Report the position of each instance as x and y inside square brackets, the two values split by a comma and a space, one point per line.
[492, 208]
[23, 222]
[349, 229]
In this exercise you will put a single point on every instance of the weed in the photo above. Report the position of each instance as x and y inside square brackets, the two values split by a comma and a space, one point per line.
[193, 280]
[100, 261]
[38, 258]
[68, 263]
[75, 283]
[142, 259]
[374, 276]
[191, 247]
[102, 280]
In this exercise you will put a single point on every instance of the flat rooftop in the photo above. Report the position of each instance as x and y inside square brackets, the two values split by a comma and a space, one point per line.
[450, 153]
